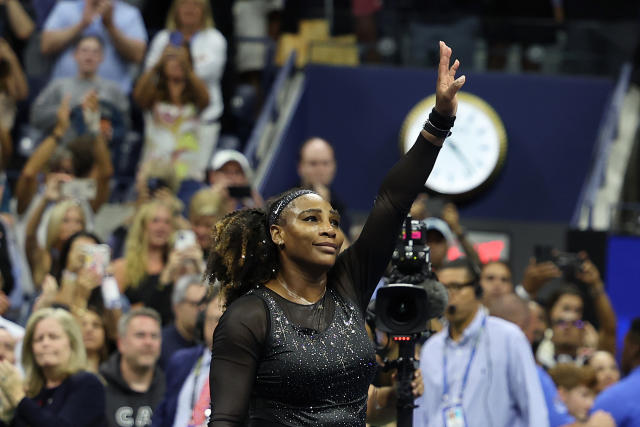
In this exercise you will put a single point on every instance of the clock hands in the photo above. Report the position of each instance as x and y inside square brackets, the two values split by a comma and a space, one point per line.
[460, 155]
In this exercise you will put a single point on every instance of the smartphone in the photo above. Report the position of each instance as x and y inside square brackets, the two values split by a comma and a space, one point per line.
[80, 189]
[543, 253]
[184, 239]
[176, 38]
[97, 257]
[239, 192]
[154, 184]
[110, 293]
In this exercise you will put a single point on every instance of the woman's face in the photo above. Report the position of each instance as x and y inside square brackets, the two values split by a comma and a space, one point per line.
[72, 222]
[51, 346]
[202, 226]
[190, 14]
[92, 332]
[174, 72]
[311, 233]
[159, 227]
[75, 259]
[567, 304]
[606, 368]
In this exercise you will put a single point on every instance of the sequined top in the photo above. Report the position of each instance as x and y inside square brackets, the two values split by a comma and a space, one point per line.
[267, 372]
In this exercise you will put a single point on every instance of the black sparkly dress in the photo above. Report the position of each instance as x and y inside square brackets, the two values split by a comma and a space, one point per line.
[278, 363]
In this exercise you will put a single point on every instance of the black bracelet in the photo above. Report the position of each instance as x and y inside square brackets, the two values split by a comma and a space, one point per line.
[440, 133]
[440, 121]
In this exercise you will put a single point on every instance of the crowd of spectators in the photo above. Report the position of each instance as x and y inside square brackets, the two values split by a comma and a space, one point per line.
[118, 331]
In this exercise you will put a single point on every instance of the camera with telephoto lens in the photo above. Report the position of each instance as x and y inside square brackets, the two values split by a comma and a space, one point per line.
[413, 297]
[568, 263]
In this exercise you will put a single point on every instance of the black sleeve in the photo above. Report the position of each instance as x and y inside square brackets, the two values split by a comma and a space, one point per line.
[360, 267]
[84, 406]
[237, 346]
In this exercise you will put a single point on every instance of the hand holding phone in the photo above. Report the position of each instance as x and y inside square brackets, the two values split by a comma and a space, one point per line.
[184, 240]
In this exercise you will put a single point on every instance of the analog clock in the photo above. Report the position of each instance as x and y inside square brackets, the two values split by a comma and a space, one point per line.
[474, 153]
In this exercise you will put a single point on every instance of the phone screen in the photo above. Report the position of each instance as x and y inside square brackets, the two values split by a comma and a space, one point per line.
[239, 192]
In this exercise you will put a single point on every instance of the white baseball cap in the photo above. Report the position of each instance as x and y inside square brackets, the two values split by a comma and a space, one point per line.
[222, 157]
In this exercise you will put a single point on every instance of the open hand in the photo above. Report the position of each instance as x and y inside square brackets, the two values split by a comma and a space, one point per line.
[447, 86]
[11, 383]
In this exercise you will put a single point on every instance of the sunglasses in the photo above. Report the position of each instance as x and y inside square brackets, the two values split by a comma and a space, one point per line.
[564, 323]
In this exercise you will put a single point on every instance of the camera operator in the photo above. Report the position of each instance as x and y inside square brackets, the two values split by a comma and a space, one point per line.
[479, 370]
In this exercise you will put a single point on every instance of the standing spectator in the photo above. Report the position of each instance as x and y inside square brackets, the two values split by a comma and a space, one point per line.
[621, 399]
[230, 174]
[173, 97]
[606, 369]
[56, 390]
[495, 279]
[135, 384]
[146, 257]
[83, 157]
[186, 301]
[188, 376]
[86, 90]
[13, 88]
[479, 369]
[316, 169]
[117, 23]
[205, 209]
[190, 23]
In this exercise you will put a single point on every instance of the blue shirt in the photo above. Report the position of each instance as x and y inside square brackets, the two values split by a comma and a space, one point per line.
[558, 412]
[125, 17]
[502, 390]
[621, 400]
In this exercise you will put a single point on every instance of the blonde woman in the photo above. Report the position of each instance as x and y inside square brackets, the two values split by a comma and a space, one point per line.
[143, 274]
[207, 206]
[57, 391]
[66, 218]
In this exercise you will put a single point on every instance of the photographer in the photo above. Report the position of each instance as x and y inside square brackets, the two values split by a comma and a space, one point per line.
[230, 174]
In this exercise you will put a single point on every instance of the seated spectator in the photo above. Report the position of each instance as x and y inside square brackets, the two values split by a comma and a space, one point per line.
[187, 400]
[173, 97]
[230, 173]
[88, 93]
[190, 23]
[606, 369]
[94, 336]
[575, 388]
[619, 399]
[205, 209]
[13, 88]
[135, 383]
[495, 279]
[82, 157]
[186, 300]
[146, 258]
[56, 389]
[117, 23]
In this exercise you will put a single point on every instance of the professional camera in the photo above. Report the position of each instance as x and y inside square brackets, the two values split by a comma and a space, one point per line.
[404, 307]
[413, 297]
[568, 263]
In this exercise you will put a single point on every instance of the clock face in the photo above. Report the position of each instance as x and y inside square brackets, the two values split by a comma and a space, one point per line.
[474, 153]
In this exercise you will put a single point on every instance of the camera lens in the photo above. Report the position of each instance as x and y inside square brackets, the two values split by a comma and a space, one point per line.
[403, 310]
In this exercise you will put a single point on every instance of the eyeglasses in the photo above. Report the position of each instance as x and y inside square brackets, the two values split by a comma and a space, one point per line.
[459, 286]
[564, 323]
[192, 303]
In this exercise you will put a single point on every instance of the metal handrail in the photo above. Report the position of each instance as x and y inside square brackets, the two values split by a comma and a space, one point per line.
[604, 141]
[270, 110]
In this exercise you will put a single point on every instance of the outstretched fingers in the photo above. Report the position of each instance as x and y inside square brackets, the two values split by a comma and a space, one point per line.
[443, 66]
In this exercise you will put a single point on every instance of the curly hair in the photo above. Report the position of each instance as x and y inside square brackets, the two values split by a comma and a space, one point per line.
[243, 255]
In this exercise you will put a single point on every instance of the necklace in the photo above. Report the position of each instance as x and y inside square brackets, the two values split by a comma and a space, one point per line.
[298, 297]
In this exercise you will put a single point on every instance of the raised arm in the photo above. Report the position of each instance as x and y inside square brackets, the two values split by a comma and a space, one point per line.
[21, 23]
[55, 40]
[17, 86]
[129, 48]
[27, 185]
[371, 253]
[102, 172]
[145, 91]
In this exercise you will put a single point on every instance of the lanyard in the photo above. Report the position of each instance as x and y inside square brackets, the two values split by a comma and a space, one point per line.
[445, 384]
[196, 374]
